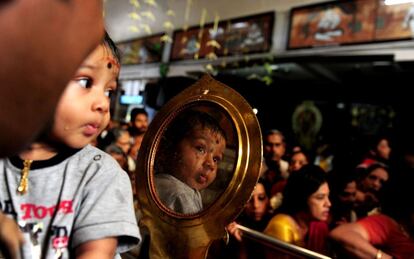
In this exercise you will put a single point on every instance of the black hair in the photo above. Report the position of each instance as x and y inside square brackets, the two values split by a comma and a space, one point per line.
[339, 179]
[275, 132]
[365, 172]
[300, 186]
[113, 148]
[181, 127]
[302, 151]
[185, 123]
[110, 44]
[374, 140]
[117, 132]
[136, 111]
[266, 185]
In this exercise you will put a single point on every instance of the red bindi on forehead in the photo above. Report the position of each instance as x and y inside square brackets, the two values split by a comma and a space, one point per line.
[112, 62]
[219, 139]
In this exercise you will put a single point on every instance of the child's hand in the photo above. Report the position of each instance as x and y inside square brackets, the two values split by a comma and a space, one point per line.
[234, 231]
[10, 237]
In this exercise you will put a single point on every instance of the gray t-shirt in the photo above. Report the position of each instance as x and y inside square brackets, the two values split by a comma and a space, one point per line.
[177, 195]
[72, 198]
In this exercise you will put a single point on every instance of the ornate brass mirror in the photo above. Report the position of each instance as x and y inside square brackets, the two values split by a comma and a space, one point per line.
[198, 164]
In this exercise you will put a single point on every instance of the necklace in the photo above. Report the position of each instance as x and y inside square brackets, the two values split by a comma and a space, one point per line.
[24, 180]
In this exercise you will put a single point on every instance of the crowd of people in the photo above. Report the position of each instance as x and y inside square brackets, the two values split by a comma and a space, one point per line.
[60, 197]
[351, 211]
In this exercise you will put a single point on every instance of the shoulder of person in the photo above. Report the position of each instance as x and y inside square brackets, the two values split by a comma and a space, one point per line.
[95, 155]
[378, 218]
[92, 159]
[282, 219]
[167, 182]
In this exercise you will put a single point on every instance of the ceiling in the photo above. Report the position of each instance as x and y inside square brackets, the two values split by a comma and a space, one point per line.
[369, 64]
[118, 21]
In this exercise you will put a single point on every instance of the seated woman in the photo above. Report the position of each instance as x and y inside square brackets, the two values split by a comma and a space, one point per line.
[190, 151]
[256, 216]
[389, 234]
[301, 219]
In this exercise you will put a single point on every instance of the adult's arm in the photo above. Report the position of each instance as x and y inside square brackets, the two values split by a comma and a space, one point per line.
[10, 237]
[42, 44]
[355, 240]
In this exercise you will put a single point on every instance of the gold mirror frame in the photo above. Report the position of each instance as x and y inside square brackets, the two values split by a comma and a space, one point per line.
[174, 235]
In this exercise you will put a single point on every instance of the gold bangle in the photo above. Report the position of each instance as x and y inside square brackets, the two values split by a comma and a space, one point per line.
[379, 254]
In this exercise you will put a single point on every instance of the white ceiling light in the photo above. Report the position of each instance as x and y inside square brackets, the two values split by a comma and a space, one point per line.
[394, 2]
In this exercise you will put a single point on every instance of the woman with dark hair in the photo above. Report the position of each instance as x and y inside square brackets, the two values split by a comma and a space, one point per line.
[257, 211]
[301, 219]
[379, 151]
[256, 215]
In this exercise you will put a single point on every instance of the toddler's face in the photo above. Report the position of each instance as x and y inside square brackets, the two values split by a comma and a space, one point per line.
[199, 155]
[83, 110]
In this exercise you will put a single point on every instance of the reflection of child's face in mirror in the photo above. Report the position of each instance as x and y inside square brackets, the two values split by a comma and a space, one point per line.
[199, 154]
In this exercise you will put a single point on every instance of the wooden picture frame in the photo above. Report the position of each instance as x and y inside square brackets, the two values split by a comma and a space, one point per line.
[332, 23]
[394, 22]
[142, 50]
[191, 43]
[246, 35]
[349, 22]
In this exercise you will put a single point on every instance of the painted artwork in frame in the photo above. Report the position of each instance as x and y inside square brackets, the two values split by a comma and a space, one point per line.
[332, 23]
[141, 51]
[394, 22]
[245, 35]
[191, 43]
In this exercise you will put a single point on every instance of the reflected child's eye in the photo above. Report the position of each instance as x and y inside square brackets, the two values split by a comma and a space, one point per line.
[85, 82]
[217, 159]
[201, 149]
[109, 93]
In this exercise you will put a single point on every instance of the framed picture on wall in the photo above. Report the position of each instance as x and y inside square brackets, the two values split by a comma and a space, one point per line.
[142, 50]
[245, 35]
[394, 22]
[332, 23]
[191, 43]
